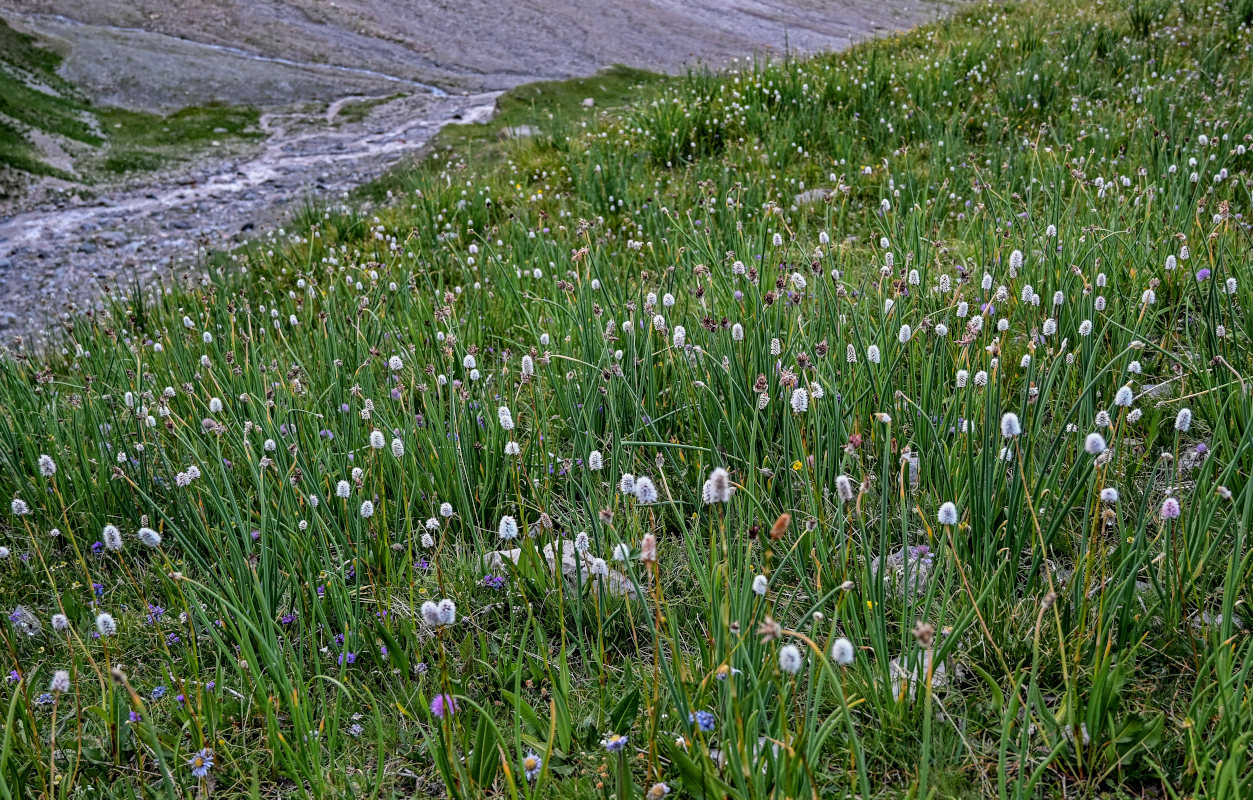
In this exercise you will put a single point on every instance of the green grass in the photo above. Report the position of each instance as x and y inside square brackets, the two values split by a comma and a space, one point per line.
[549, 108]
[1093, 153]
[557, 102]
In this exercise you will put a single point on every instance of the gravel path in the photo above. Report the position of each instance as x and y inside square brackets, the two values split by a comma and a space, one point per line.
[301, 60]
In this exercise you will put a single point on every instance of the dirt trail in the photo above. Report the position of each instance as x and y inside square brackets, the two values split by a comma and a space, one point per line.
[418, 64]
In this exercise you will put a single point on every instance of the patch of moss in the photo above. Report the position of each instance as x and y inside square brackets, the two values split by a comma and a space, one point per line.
[188, 127]
[360, 109]
[139, 141]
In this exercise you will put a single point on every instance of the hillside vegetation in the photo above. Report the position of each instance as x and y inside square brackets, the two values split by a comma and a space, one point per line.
[34, 97]
[42, 112]
[876, 424]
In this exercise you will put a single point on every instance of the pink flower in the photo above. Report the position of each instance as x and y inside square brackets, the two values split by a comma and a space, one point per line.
[648, 548]
[1170, 508]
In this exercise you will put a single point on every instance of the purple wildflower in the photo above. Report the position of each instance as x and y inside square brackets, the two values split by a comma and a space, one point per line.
[443, 704]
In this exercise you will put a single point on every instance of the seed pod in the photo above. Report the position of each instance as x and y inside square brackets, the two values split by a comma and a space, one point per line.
[779, 529]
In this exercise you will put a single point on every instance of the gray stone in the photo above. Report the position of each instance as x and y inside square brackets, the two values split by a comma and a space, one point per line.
[519, 132]
[616, 583]
[811, 196]
[906, 570]
[915, 670]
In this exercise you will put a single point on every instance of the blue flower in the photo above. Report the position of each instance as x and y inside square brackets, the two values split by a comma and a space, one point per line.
[614, 743]
[532, 765]
[702, 719]
[201, 763]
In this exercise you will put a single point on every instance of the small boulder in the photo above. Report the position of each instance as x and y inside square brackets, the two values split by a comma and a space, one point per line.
[519, 132]
[906, 570]
[914, 671]
[616, 583]
[811, 196]
[112, 238]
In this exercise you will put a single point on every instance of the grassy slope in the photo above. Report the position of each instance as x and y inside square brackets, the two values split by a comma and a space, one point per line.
[980, 134]
[116, 141]
[139, 141]
[59, 110]
[538, 106]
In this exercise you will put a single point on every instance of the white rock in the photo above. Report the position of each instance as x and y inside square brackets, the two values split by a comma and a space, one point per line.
[914, 669]
[618, 584]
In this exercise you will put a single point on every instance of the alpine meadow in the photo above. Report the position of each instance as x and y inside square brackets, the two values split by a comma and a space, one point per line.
[870, 424]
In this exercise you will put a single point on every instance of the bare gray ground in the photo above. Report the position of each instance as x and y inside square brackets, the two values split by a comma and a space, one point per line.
[301, 60]
[494, 44]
